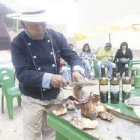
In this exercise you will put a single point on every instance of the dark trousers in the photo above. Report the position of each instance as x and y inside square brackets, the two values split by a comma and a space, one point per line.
[120, 68]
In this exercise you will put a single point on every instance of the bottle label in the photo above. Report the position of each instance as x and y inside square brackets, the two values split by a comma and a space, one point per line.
[103, 88]
[127, 88]
[114, 88]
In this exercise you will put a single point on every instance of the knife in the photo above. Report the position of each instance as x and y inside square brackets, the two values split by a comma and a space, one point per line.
[82, 84]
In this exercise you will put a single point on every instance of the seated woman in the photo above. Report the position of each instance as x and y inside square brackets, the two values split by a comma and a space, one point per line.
[122, 57]
[87, 58]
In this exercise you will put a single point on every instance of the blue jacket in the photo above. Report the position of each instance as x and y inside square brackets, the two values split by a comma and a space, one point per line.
[32, 58]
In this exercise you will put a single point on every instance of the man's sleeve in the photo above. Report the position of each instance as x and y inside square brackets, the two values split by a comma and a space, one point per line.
[24, 74]
[68, 54]
[46, 80]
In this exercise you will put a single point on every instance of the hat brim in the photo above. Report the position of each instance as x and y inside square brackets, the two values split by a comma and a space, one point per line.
[28, 18]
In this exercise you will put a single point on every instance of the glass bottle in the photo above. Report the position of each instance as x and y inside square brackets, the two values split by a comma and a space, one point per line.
[114, 87]
[126, 85]
[103, 86]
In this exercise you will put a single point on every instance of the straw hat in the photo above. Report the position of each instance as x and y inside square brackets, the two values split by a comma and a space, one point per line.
[30, 15]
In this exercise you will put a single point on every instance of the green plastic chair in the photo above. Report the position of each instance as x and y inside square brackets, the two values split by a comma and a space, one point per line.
[9, 91]
[94, 67]
[131, 65]
[137, 79]
[5, 72]
[8, 72]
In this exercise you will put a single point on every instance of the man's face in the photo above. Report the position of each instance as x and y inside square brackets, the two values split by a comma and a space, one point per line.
[36, 30]
[107, 48]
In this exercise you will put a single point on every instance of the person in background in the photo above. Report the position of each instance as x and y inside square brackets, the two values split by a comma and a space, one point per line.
[122, 57]
[105, 57]
[65, 69]
[87, 58]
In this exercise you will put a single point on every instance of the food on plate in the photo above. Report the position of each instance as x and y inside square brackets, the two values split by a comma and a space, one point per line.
[83, 123]
[60, 110]
[87, 109]
[106, 116]
[91, 106]
[80, 95]
[70, 104]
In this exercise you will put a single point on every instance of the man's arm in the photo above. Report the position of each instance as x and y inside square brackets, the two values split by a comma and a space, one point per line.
[69, 55]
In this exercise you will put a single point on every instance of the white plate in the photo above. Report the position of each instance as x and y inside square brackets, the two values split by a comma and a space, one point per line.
[132, 102]
[137, 110]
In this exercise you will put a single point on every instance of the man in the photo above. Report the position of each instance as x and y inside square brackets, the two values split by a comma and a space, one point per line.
[36, 55]
[105, 56]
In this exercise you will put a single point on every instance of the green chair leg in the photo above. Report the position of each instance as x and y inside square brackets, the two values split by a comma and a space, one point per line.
[19, 101]
[2, 103]
[95, 68]
[59, 136]
[10, 108]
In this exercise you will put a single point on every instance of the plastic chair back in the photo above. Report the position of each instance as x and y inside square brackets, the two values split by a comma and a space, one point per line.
[8, 72]
[137, 79]
[7, 82]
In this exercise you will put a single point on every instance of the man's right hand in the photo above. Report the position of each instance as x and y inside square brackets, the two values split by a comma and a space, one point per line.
[58, 81]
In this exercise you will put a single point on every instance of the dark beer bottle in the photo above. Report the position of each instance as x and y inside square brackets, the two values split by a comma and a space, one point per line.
[114, 87]
[126, 85]
[103, 86]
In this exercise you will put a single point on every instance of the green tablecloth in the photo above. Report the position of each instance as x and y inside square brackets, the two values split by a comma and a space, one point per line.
[122, 108]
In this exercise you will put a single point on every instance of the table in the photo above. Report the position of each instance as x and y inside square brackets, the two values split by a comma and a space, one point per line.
[116, 129]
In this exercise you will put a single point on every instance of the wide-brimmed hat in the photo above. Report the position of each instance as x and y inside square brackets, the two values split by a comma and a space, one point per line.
[30, 15]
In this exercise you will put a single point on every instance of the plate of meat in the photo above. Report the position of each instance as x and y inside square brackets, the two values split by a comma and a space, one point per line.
[90, 105]
[60, 110]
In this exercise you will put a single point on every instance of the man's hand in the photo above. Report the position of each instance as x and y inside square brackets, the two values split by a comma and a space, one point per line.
[77, 77]
[58, 81]
[105, 56]
[100, 57]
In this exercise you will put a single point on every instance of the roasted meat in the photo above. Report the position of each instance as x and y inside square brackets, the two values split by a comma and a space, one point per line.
[80, 95]
[89, 109]
[83, 123]
[60, 110]
[91, 106]
[70, 104]
[106, 116]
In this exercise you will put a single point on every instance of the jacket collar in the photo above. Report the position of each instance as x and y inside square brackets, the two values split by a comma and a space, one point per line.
[45, 37]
